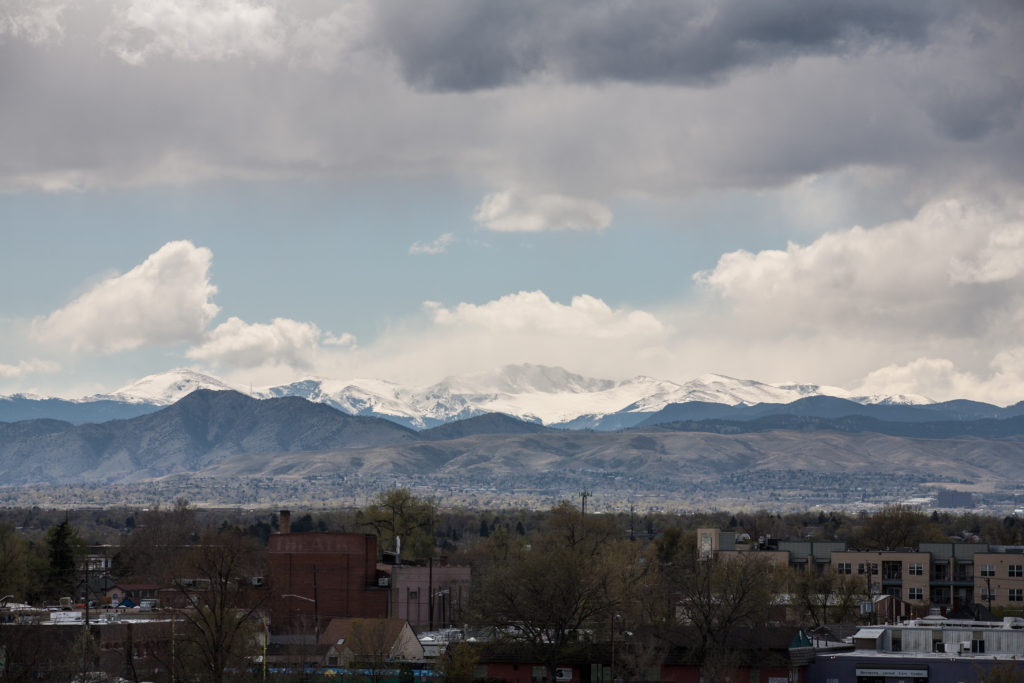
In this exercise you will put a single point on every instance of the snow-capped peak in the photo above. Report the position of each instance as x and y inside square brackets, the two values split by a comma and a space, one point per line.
[25, 396]
[896, 400]
[715, 388]
[551, 395]
[523, 379]
[166, 387]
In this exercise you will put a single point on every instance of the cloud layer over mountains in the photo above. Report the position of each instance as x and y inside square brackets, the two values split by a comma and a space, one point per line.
[863, 161]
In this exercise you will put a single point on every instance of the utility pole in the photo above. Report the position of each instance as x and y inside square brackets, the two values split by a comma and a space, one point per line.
[316, 607]
[611, 668]
[87, 588]
[584, 494]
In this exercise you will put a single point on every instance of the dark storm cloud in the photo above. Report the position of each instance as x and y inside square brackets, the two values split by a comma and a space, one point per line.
[970, 109]
[463, 45]
[589, 100]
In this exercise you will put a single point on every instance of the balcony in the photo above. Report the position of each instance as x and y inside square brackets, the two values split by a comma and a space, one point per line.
[892, 571]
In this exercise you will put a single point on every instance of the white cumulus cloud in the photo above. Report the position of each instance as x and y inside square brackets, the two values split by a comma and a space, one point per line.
[193, 30]
[517, 211]
[585, 334]
[438, 246]
[281, 342]
[924, 376]
[28, 367]
[945, 272]
[585, 316]
[167, 299]
[941, 378]
[38, 21]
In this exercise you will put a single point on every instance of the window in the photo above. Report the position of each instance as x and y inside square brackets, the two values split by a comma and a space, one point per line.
[988, 593]
[915, 594]
[843, 568]
[874, 568]
[1016, 571]
[916, 570]
[1017, 595]
[988, 570]
[860, 567]
[978, 646]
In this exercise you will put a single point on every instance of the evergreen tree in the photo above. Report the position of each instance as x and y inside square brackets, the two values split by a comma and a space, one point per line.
[63, 542]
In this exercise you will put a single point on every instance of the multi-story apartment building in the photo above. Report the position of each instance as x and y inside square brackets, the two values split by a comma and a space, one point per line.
[944, 575]
[999, 576]
[903, 574]
[952, 572]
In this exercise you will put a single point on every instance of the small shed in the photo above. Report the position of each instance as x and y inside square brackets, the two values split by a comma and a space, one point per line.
[869, 639]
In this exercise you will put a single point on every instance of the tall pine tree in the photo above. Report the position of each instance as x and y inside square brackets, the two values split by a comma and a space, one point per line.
[62, 540]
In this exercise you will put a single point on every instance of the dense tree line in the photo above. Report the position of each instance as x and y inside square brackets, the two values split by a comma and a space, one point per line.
[36, 545]
[548, 582]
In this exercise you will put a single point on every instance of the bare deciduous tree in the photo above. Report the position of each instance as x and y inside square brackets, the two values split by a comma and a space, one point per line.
[714, 598]
[573, 574]
[220, 603]
[827, 596]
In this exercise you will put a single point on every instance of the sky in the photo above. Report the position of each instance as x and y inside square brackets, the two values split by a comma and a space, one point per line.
[268, 190]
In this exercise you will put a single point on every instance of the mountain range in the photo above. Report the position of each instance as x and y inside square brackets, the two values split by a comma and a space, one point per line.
[232, 438]
[545, 395]
[522, 428]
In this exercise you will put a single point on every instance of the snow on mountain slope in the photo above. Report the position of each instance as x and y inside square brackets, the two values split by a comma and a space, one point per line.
[894, 400]
[537, 393]
[723, 389]
[522, 379]
[164, 388]
[357, 397]
[531, 392]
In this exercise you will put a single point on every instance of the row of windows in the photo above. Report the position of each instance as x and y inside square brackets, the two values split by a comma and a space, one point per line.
[1015, 571]
[1014, 594]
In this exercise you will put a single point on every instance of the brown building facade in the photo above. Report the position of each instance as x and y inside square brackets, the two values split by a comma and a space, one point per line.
[428, 597]
[316, 577]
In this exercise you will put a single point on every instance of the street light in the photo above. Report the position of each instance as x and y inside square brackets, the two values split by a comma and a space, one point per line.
[315, 600]
[316, 610]
[444, 612]
[615, 618]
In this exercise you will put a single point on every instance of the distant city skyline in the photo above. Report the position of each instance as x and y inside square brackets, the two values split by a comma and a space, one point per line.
[268, 191]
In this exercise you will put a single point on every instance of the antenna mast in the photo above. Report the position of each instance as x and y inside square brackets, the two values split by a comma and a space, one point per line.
[584, 494]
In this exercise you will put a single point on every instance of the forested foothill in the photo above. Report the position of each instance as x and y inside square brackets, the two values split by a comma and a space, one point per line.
[548, 584]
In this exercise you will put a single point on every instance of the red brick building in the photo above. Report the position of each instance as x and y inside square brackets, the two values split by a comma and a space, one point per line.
[316, 577]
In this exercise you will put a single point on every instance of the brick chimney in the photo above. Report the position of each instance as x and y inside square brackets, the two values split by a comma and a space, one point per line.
[286, 521]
